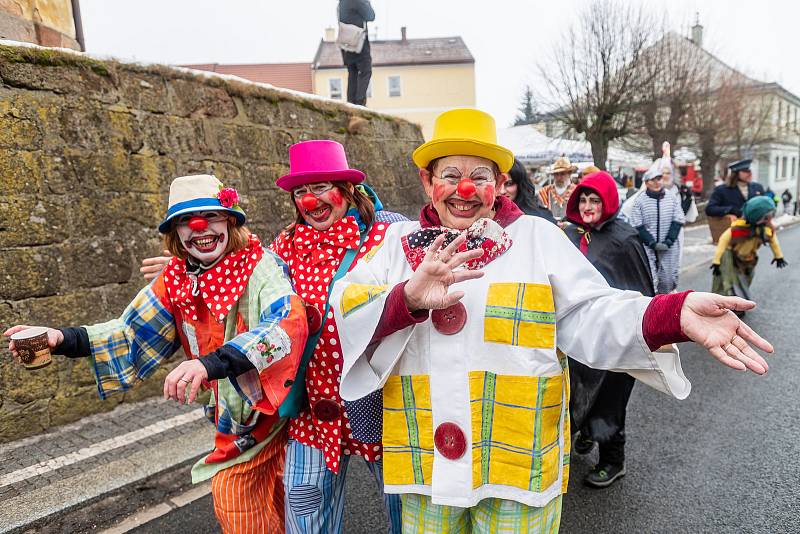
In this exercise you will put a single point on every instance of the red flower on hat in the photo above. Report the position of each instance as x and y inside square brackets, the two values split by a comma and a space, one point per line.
[228, 197]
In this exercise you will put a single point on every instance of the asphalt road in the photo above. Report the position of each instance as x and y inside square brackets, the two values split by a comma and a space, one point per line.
[727, 459]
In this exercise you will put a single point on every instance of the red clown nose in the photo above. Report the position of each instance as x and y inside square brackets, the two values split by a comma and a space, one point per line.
[309, 201]
[466, 189]
[198, 224]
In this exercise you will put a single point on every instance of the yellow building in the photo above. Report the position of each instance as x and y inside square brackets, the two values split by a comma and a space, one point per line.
[416, 79]
[44, 22]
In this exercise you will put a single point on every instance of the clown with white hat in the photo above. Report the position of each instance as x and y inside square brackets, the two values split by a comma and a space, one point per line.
[227, 302]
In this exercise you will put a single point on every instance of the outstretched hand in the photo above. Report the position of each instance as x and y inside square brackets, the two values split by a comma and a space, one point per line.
[189, 373]
[54, 339]
[151, 267]
[428, 287]
[708, 319]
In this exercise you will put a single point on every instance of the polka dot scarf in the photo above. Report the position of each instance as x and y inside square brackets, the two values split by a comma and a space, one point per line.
[484, 233]
[219, 287]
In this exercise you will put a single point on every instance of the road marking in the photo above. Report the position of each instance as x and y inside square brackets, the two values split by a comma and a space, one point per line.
[110, 444]
[178, 501]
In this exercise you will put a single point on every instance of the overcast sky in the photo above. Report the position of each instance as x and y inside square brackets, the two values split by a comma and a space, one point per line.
[505, 36]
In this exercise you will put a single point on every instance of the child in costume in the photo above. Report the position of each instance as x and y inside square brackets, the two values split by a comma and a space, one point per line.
[736, 256]
[230, 305]
[474, 392]
[599, 399]
[338, 221]
[658, 217]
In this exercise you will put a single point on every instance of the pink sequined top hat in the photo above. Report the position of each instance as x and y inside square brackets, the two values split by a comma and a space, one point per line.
[318, 161]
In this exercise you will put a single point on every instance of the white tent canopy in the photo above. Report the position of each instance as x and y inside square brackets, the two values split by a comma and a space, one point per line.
[534, 148]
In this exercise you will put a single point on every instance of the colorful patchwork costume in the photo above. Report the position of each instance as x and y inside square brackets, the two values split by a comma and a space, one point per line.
[476, 398]
[243, 305]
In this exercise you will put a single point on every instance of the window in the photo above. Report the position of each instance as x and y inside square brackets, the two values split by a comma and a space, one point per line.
[793, 166]
[777, 167]
[394, 86]
[335, 88]
[785, 164]
[780, 115]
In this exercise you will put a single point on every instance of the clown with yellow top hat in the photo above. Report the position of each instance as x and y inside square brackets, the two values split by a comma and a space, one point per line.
[463, 317]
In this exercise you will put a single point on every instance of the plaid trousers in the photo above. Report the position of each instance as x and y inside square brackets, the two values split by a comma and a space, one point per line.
[495, 516]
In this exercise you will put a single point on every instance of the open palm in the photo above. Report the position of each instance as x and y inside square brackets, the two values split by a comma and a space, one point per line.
[429, 286]
[707, 319]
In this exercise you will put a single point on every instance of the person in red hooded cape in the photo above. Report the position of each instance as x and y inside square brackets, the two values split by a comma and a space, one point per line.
[599, 398]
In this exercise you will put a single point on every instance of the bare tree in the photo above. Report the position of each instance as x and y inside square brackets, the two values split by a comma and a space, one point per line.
[730, 116]
[591, 75]
[672, 72]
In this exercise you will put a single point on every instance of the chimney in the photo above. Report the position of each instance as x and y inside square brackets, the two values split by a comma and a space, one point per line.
[697, 32]
[403, 35]
[330, 34]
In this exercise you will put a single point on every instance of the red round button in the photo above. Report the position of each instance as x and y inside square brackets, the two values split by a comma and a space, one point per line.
[314, 318]
[450, 441]
[450, 320]
[327, 410]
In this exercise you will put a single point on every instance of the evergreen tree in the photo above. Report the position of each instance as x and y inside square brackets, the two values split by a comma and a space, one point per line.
[527, 109]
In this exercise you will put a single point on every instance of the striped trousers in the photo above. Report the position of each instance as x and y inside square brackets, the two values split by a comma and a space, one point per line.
[248, 497]
[315, 495]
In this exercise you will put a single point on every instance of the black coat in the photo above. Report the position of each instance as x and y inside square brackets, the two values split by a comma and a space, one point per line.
[616, 251]
[598, 399]
[729, 200]
[356, 12]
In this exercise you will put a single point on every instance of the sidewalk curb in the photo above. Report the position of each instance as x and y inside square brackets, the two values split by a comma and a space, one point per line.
[81, 502]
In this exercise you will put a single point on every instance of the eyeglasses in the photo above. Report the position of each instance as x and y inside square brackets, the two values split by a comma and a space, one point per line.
[479, 177]
[314, 189]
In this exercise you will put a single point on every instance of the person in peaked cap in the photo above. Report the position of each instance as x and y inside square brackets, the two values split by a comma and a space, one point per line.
[739, 187]
[247, 354]
[554, 196]
[462, 318]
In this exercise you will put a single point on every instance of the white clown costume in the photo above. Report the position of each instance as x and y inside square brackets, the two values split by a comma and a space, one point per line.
[482, 411]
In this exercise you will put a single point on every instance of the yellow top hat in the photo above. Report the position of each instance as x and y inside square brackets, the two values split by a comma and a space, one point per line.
[464, 132]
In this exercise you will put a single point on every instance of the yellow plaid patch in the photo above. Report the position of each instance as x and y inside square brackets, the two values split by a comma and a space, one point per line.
[516, 425]
[356, 296]
[520, 314]
[407, 430]
[371, 254]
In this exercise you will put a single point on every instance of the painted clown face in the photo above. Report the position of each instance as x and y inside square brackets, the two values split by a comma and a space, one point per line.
[462, 189]
[320, 204]
[204, 234]
[590, 207]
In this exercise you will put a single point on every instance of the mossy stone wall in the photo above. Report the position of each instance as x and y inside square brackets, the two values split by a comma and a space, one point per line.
[87, 151]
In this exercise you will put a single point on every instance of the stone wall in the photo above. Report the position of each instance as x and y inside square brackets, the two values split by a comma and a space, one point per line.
[87, 151]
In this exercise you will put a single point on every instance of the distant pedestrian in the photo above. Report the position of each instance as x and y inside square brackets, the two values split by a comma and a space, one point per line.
[554, 196]
[786, 197]
[658, 217]
[736, 257]
[519, 188]
[739, 187]
[358, 60]
[599, 399]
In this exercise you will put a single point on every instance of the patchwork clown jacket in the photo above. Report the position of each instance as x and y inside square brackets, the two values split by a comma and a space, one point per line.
[481, 410]
[244, 304]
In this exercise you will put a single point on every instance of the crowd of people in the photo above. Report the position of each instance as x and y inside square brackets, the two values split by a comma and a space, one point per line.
[457, 354]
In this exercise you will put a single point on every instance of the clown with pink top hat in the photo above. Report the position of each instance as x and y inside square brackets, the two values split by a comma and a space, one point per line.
[338, 221]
